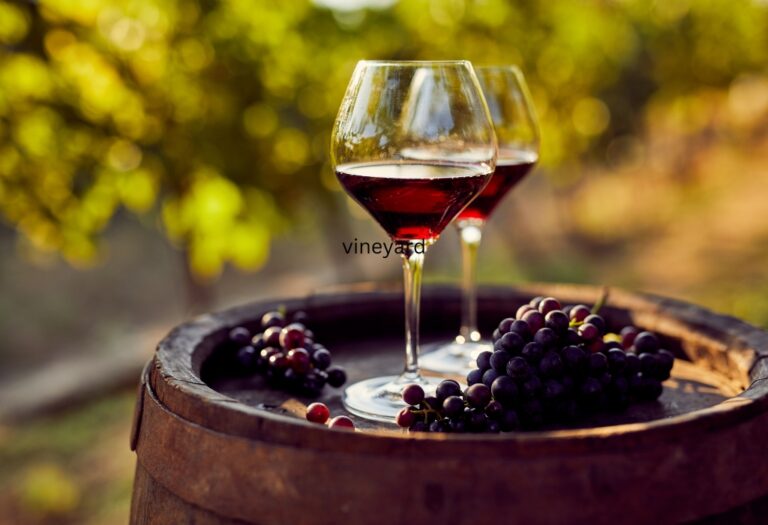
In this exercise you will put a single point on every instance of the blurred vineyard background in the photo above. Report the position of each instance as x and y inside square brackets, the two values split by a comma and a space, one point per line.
[161, 157]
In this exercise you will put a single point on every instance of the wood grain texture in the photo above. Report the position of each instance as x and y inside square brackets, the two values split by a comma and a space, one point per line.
[231, 453]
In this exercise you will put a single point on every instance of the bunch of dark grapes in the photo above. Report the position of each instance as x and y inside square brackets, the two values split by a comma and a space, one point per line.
[454, 410]
[286, 354]
[550, 365]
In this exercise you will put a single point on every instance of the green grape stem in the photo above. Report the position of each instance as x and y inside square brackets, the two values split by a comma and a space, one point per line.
[602, 301]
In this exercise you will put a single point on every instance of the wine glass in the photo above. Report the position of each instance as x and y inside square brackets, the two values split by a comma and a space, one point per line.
[518, 135]
[413, 144]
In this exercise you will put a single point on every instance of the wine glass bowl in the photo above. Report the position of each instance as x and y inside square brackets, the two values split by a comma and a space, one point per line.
[517, 132]
[413, 144]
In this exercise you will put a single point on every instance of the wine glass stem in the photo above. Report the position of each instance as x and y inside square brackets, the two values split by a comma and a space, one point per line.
[413, 263]
[470, 235]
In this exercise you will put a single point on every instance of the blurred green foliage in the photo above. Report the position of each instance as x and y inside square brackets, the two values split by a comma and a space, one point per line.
[69, 468]
[214, 117]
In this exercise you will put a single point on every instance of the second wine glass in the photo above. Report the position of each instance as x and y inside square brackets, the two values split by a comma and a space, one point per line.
[518, 136]
[413, 144]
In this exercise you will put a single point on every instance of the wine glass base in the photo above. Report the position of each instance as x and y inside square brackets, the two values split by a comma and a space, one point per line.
[453, 358]
[379, 398]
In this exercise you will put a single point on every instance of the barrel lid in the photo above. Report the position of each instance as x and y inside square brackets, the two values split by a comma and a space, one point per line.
[722, 345]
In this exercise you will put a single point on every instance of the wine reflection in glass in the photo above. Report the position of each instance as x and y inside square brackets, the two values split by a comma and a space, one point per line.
[517, 132]
[413, 144]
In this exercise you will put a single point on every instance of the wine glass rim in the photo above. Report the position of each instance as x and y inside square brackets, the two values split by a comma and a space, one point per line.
[415, 63]
[497, 67]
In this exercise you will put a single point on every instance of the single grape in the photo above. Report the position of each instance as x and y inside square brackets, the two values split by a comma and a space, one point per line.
[574, 358]
[522, 329]
[605, 378]
[505, 325]
[483, 360]
[617, 359]
[405, 418]
[504, 390]
[633, 364]
[478, 395]
[413, 394]
[648, 364]
[551, 365]
[628, 335]
[291, 337]
[496, 335]
[431, 403]
[257, 341]
[494, 409]
[489, 377]
[557, 321]
[531, 387]
[598, 364]
[499, 360]
[240, 335]
[336, 376]
[646, 342]
[549, 304]
[523, 310]
[572, 337]
[477, 421]
[598, 321]
[546, 337]
[278, 361]
[458, 425]
[589, 332]
[474, 376]
[453, 406]
[321, 359]
[536, 301]
[579, 313]
[532, 353]
[518, 368]
[273, 318]
[591, 390]
[312, 383]
[650, 389]
[666, 359]
[567, 310]
[553, 389]
[272, 336]
[318, 413]
[447, 388]
[247, 357]
[511, 342]
[299, 360]
[299, 316]
[342, 422]
[534, 319]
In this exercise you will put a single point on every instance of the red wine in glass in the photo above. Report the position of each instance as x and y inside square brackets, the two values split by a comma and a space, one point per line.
[511, 167]
[412, 200]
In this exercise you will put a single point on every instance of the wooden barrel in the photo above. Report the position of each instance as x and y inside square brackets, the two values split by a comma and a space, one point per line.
[216, 448]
